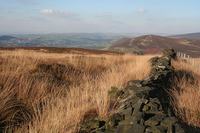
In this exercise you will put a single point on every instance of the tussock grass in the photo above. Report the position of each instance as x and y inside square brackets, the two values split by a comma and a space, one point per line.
[54, 92]
[186, 93]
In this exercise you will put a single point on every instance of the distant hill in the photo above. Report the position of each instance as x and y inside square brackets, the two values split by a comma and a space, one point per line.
[152, 44]
[190, 36]
[6, 38]
[120, 40]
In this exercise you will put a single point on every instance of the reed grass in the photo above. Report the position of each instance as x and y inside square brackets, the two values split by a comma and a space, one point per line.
[185, 93]
[55, 92]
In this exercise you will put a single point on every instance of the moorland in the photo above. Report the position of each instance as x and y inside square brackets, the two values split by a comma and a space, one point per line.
[55, 90]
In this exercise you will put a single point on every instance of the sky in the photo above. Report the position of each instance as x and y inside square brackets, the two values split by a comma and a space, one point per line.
[110, 16]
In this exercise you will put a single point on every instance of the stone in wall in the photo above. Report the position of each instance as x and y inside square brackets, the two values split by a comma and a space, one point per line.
[144, 104]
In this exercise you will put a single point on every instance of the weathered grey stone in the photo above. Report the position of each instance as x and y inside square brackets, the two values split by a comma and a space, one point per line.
[134, 90]
[115, 119]
[127, 102]
[145, 101]
[137, 108]
[161, 128]
[146, 108]
[135, 128]
[141, 121]
[168, 121]
[153, 121]
[171, 129]
[109, 128]
[139, 91]
[133, 119]
[127, 112]
[133, 100]
[153, 129]
[153, 107]
[90, 125]
[142, 92]
[128, 121]
[153, 60]
[126, 94]
[145, 81]
[154, 100]
[107, 131]
[165, 62]
[178, 128]
[161, 115]
[137, 116]
[160, 107]
[156, 76]
[139, 105]
[114, 93]
[128, 97]
[123, 128]
[169, 53]
[135, 83]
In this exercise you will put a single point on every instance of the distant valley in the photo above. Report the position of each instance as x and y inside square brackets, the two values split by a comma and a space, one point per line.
[76, 40]
[124, 43]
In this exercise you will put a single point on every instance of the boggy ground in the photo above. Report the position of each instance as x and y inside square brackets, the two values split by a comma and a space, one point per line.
[43, 91]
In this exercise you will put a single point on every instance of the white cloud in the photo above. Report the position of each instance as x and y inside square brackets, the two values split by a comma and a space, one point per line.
[46, 11]
[57, 13]
[141, 10]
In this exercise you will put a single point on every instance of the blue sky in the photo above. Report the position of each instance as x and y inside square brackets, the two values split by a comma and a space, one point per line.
[118, 16]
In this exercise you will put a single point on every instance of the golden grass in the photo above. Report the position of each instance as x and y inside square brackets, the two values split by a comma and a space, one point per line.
[52, 92]
[186, 93]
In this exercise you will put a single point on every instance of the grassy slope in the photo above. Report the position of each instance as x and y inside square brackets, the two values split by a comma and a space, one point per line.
[44, 91]
[186, 94]
[152, 44]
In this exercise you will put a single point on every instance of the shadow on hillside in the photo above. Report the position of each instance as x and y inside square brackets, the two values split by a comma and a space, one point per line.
[178, 77]
[165, 97]
[189, 76]
[190, 129]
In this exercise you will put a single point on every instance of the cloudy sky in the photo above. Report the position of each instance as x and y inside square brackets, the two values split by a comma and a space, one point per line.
[118, 16]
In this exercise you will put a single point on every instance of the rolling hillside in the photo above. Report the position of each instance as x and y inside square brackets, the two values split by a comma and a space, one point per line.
[152, 44]
[6, 38]
[189, 36]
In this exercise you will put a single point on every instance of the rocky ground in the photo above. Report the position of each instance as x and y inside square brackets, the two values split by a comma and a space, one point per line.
[144, 104]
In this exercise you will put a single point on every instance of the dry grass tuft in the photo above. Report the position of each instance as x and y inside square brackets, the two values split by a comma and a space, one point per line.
[54, 92]
[186, 93]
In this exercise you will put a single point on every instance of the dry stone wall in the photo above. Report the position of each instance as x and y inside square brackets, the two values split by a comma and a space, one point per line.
[144, 104]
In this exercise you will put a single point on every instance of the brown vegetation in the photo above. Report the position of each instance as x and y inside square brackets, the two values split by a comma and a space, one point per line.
[185, 93]
[60, 50]
[54, 92]
[152, 44]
